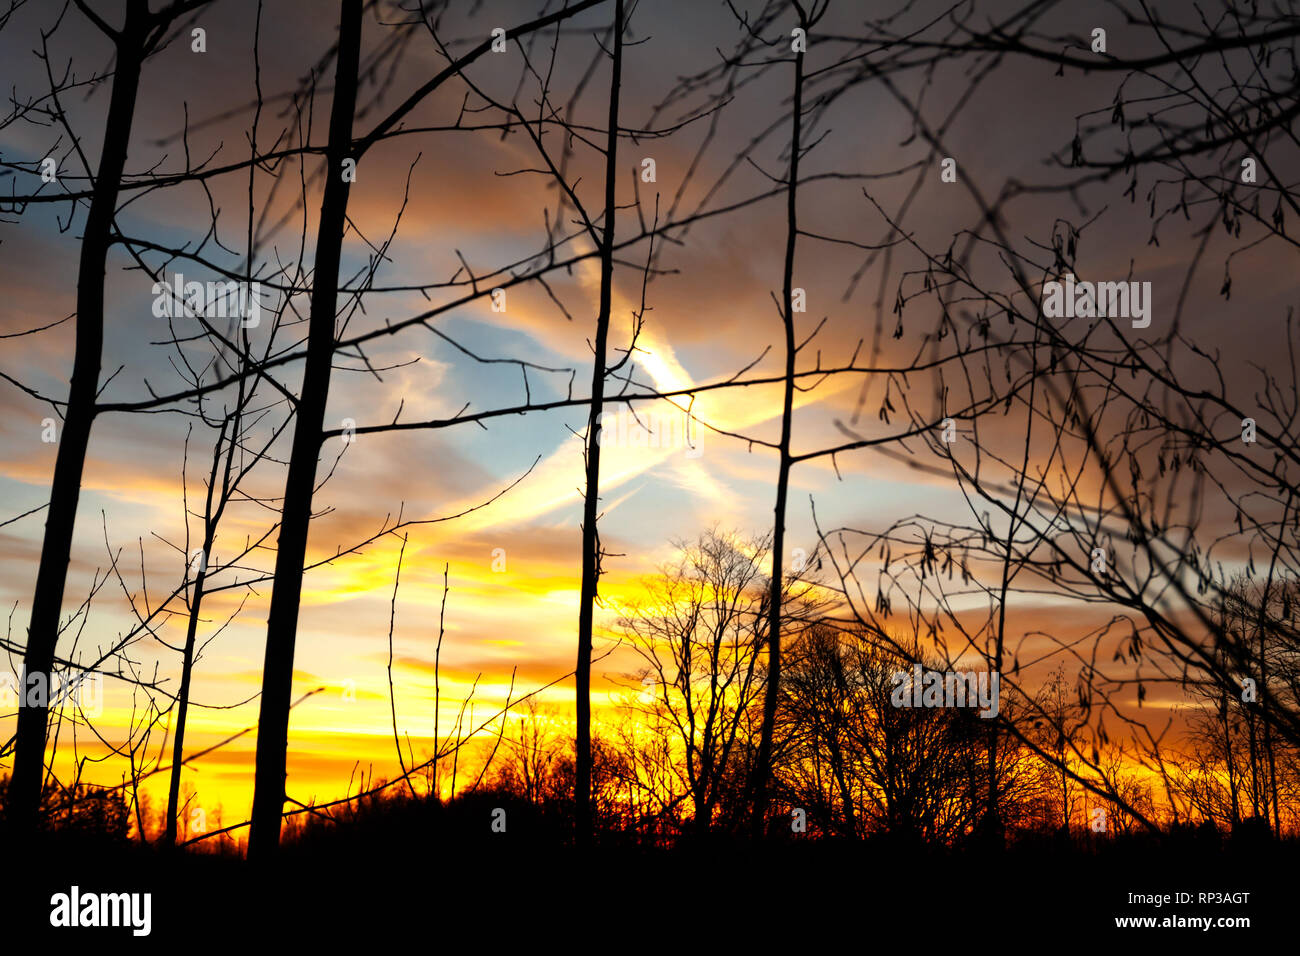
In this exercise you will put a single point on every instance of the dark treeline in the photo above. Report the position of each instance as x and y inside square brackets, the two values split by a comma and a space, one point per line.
[855, 758]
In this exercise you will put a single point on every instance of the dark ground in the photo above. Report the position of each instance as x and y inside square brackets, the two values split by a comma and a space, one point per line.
[432, 879]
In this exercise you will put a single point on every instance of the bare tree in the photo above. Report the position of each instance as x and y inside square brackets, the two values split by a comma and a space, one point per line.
[282, 621]
[699, 635]
[138, 37]
[591, 552]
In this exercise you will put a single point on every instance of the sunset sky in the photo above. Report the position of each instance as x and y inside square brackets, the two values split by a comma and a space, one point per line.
[706, 321]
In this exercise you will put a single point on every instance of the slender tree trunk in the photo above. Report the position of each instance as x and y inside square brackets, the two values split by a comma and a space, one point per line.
[1271, 794]
[182, 703]
[846, 796]
[187, 656]
[282, 620]
[1065, 795]
[590, 538]
[1255, 788]
[56, 550]
[1272, 777]
[993, 828]
[1227, 756]
[763, 762]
